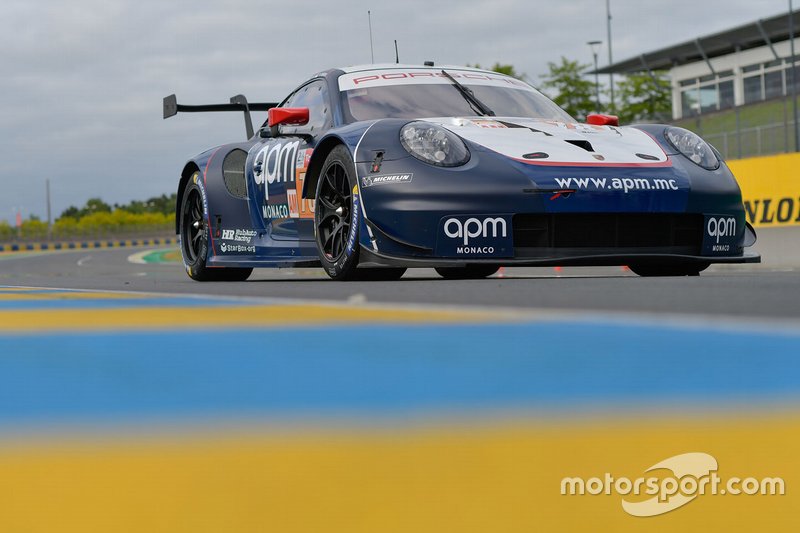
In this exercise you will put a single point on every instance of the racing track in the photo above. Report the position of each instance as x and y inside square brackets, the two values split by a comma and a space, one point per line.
[767, 291]
[116, 407]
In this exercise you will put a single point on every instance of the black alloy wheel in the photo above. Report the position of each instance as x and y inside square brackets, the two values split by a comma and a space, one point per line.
[194, 239]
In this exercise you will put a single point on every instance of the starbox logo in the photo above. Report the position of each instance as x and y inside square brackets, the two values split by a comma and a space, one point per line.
[692, 475]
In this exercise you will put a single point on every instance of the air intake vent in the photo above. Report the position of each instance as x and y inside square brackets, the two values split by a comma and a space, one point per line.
[586, 145]
[233, 173]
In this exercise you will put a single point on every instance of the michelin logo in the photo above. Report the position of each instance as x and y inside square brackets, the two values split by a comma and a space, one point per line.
[369, 181]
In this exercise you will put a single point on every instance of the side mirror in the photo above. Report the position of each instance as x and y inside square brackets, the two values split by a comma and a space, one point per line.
[290, 116]
[602, 120]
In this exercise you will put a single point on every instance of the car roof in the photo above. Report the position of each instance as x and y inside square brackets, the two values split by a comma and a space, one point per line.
[401, 66]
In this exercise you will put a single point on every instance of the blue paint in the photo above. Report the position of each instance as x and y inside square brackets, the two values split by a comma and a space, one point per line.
[387, 371]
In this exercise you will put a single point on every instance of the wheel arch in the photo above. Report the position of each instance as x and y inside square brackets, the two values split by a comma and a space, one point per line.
[321, 152]
[188, 170]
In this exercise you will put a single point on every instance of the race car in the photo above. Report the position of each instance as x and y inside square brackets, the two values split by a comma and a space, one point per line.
[370, 170]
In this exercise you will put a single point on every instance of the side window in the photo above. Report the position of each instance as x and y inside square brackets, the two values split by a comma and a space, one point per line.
[314, 96]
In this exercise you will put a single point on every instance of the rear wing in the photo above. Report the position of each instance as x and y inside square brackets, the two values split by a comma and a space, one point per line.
[238, 103]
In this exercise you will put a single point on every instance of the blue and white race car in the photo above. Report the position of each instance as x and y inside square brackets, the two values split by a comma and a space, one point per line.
[370, 170]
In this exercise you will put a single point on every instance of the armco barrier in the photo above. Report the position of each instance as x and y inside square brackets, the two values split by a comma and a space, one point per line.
[85, 245]
[770, 188]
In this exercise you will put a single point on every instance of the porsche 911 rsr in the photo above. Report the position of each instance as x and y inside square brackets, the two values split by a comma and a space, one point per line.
[367, 171]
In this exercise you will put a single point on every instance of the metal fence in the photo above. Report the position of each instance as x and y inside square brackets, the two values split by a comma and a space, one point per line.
[754, 141]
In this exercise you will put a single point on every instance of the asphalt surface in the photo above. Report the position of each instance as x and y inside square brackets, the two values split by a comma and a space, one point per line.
[770, 290]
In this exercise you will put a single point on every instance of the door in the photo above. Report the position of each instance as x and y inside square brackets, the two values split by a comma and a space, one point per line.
[280, 163]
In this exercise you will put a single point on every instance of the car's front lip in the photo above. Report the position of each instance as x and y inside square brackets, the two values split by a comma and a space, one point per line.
[596, 257]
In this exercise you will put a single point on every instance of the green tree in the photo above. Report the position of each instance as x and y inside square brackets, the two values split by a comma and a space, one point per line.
[644, 98]
[569, 89]
[71, 212]
[96, 205]
[508, 70]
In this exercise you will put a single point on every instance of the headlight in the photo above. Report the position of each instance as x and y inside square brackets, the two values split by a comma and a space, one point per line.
[693, 147]
[433, 144]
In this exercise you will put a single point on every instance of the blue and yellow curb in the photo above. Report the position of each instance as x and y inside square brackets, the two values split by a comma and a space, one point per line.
[134, 412]
[85, 245]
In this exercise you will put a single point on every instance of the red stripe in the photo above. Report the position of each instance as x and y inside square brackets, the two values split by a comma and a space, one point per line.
[205, 186]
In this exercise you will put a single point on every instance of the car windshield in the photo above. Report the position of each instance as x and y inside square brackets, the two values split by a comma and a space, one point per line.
[443, 99]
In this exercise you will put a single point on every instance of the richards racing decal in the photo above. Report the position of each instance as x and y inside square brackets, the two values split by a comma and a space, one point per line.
[239, 235]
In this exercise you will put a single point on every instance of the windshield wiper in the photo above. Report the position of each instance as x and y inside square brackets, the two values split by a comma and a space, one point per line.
[470, 97]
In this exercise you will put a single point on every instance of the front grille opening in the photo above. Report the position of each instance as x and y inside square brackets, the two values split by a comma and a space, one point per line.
[608, 230]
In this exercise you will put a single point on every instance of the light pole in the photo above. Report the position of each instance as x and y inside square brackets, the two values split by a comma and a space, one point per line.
[593, 45]
[611, 59]
[794, 79]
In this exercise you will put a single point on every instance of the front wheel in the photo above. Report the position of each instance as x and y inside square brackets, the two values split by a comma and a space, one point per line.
[467, 272]
[648, 271]
[194, 237]
[337, 216]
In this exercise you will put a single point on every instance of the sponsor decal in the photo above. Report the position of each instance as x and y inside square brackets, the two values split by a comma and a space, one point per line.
[276, 211]
[774, 201]
[276, 163]
[369, 181]
[238, 235]
[721, 235]
[227, 248]
[298, 206]
[625, 185]
[475, 236]
[673, 483]
[383, 78]
[773, 211]
[351, 239]
[202, 195]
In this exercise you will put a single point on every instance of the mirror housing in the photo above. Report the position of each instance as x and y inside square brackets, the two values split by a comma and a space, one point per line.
[289, 116]
[597, 119]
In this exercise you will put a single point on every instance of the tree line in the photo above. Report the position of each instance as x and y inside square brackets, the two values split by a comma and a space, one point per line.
[639, 97]
[97, 219]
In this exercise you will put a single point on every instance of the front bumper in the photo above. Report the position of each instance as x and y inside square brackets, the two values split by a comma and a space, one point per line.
[370, 258]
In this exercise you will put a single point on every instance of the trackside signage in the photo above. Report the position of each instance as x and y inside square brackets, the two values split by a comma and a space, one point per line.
[770, 189]
[475, 236]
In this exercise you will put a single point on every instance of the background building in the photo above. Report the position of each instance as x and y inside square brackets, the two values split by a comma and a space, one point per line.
[735, 86]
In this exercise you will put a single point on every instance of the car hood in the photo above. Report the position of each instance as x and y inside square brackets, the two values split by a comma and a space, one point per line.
[550, 142]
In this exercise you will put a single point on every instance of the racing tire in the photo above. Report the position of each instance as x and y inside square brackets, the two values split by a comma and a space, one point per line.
[380, 274]
[337, 216]
[467, 272]
[650, 271]
[194, 237]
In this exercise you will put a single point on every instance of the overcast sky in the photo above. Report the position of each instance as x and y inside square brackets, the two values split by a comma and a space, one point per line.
[82, 80]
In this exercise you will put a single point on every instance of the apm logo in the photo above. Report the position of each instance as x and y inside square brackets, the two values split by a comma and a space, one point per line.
[473, 228]
[721, 227]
